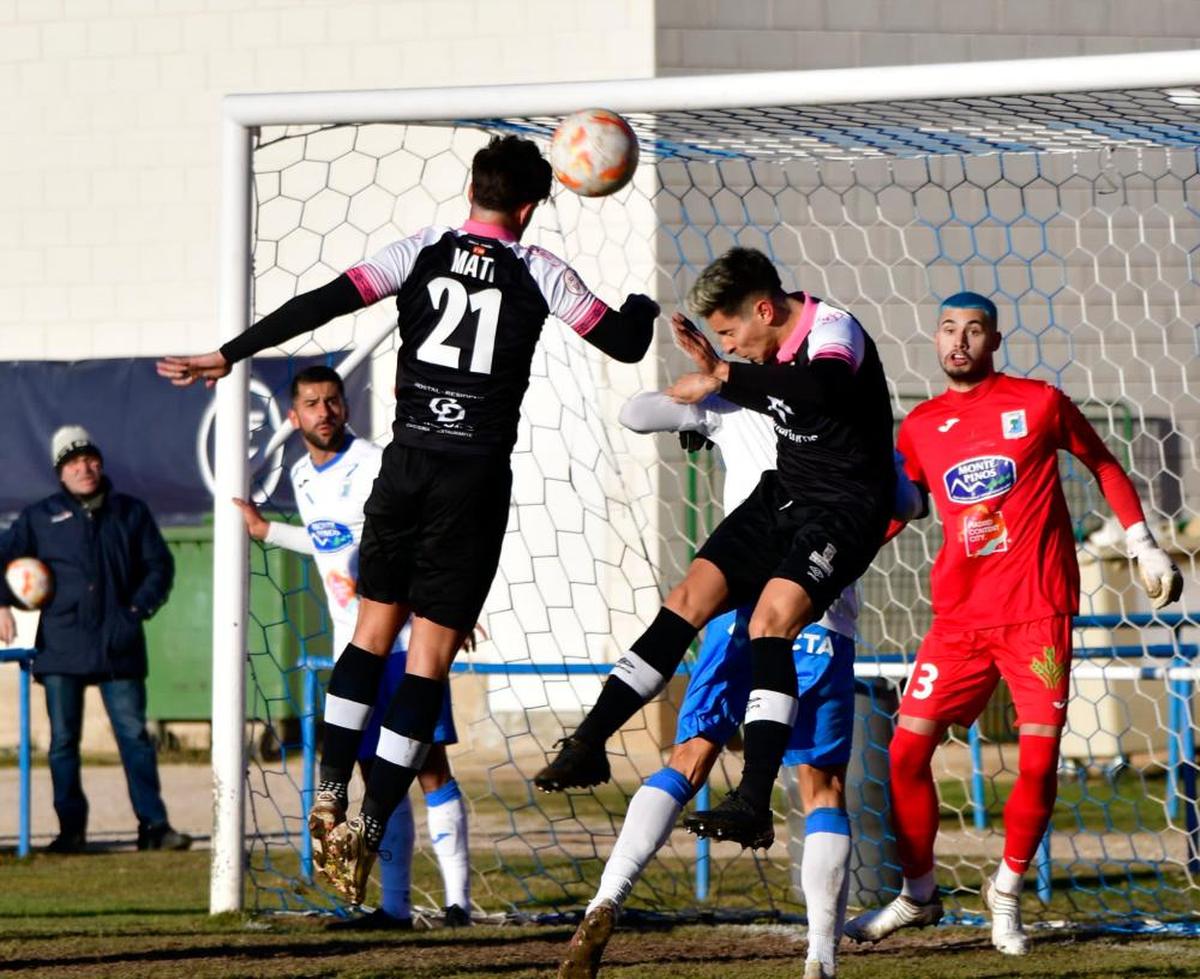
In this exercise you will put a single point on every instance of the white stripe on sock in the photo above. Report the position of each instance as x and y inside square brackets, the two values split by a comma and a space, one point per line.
[639, 675]
[401, 750]
[771, 705]
[346, 713]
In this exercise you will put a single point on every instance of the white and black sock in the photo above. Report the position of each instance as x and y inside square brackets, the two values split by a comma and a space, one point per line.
[353, 687]
[404, 741]
[770, 715]
[638, 676]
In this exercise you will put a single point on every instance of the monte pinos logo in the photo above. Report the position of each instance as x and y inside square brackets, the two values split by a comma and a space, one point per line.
[980, 478]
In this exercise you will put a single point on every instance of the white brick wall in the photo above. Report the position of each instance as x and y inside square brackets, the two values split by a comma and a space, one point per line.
[695, 36]
[109, 111]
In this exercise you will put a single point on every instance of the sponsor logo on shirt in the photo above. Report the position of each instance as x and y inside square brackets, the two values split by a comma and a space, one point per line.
[1013, 424]
[779, 408]
[984, 532]
[329, 535]
[447, 410]
[980, 478]
[948, 424]
[341, 587]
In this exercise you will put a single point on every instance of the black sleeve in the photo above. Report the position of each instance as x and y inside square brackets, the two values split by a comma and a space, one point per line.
[303, 314]
[626, 335]
[824, 384]
[17, 541]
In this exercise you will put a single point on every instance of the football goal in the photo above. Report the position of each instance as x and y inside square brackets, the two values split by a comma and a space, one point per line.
[1066, 189]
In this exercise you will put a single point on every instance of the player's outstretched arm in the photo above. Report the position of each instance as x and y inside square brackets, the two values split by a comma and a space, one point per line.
[301, 314]
[184, 371]
[288, 536]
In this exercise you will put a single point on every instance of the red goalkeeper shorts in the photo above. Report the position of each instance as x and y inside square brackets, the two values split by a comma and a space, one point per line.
[956, 672]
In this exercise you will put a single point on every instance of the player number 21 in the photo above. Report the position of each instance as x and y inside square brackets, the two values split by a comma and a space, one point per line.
[924, 681]
[435, 349]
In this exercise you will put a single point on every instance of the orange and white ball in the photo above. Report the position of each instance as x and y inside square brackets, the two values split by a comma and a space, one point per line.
[594, 152]
[30, 582]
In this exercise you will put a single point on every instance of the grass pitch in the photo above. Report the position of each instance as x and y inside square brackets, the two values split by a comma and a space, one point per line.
[144, 914]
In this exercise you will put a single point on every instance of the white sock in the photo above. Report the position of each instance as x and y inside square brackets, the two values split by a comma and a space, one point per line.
[648, 822]
[1008, 881]
[447, 818]
[824, 876]
[920, 889]
[395, 862]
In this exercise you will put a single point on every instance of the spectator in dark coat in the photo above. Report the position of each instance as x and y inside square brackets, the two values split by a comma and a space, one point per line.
[112, 570]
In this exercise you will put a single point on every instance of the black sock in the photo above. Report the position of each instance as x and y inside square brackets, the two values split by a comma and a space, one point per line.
[638, 676]
[770, 715]
[353, 687]
[404, 741]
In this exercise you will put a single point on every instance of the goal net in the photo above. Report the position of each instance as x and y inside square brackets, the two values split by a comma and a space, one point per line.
[1074, 206]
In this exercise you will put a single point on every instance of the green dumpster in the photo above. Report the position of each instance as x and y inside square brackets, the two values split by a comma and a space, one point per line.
[287, 621]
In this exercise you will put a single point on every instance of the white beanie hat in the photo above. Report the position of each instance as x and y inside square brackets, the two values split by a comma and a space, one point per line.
[69, 440]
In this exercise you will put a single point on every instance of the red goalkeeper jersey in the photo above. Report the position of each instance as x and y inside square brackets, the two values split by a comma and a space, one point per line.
[989, 459]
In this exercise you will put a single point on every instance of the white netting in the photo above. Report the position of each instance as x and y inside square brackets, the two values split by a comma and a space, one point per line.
[1076, 212]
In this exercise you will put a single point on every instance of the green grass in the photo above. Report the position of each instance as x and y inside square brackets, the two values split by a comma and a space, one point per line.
[144, 914]
[1129, 803]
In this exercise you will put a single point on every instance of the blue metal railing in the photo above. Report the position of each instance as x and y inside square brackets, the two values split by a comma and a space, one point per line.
[24, 659]
[1181, 742]
[1181, 745]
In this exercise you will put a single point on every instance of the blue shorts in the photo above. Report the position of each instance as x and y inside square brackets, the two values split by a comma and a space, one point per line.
[393, 673]
[715, 703]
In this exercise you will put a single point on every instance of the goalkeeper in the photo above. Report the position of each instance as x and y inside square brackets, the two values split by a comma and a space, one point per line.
[716, 700]
[331, 483]
[1005, 586]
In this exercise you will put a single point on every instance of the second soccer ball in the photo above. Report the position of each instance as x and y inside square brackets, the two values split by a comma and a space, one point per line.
[30, 582]
[594, 152]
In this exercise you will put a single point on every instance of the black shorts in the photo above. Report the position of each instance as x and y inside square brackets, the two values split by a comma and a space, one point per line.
[821, 546]
[435, 524]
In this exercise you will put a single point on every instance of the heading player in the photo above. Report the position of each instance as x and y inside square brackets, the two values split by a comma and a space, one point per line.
[715, 701]
[803, 535]
[472, 303]
[331, 483]
[1005, 586]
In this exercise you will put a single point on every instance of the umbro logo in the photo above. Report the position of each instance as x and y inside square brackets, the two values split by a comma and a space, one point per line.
[948, 424]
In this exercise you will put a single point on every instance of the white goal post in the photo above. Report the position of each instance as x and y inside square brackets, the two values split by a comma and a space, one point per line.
[684, 104]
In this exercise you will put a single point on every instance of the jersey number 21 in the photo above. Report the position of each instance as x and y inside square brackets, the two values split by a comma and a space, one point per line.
[486, 303]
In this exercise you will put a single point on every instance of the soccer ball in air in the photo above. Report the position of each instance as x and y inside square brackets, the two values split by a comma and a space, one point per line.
[30, 582]
[594, 152]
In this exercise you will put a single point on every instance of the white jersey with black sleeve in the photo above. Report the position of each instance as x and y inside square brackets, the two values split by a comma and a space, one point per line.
[747, 442]
[330, 498]
[472, 303]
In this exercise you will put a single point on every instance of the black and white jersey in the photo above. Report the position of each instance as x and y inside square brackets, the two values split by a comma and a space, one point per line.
[832, 452]
[472, 303]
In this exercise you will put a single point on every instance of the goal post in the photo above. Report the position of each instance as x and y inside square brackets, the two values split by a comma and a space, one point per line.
[1067, 187]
